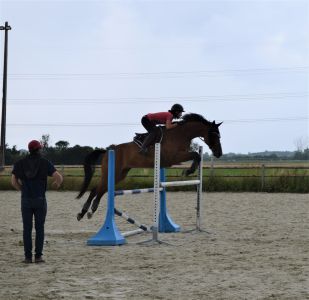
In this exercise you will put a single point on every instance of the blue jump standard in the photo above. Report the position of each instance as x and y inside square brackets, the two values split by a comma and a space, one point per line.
[165, 222]
[109, 235]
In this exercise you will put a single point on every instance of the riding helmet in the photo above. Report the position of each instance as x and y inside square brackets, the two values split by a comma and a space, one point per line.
[177, 107]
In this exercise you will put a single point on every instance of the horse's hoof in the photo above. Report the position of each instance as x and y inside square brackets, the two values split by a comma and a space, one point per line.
[79, 216]
[89, 215]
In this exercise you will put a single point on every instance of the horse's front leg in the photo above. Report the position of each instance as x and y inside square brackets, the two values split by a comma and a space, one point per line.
[196, 158]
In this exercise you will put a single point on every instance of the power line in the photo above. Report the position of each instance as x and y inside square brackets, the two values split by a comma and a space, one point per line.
[289, 119]
[165, 72]
[146, 100]
[302, 118]
[145, 75]
[183, 45]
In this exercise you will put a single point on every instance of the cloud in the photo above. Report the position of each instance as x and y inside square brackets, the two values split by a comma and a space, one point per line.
[277, 50]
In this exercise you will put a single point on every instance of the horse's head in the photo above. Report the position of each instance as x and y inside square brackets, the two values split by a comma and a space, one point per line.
[208, 131]
[212, 139]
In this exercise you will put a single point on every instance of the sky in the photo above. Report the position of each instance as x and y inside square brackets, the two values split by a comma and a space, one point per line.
[87, 71]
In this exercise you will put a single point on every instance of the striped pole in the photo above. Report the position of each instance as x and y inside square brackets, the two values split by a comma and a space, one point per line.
[166, 224]
[130, 220]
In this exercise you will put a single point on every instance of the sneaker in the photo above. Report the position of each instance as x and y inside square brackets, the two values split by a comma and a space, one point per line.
[38, 260]
[27, 261]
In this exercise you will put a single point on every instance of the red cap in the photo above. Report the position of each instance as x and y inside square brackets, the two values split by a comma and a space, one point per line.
[34, 145]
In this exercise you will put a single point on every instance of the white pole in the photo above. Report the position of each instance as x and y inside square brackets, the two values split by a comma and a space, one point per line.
[199, 191]
[156, 185]
[133, 232]
[180, 183]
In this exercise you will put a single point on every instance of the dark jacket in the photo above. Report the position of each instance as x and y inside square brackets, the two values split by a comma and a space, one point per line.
[33, 171]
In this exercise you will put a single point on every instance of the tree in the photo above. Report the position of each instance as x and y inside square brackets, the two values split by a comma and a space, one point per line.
[301, 144]
[302, 155]
[45, 141]
[14, 150]
[62, 145]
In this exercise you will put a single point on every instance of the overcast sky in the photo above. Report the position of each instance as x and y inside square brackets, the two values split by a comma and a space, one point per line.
[87, 71]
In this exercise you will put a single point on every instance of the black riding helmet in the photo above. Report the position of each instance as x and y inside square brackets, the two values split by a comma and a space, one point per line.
[176, 108]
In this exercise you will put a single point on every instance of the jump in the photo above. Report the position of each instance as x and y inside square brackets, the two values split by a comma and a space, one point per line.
[175, 149]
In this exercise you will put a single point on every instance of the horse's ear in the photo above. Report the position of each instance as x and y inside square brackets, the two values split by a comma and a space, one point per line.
[219, 124]
[213, 122]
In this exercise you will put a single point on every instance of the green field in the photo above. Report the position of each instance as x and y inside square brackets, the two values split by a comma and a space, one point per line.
[259, 176]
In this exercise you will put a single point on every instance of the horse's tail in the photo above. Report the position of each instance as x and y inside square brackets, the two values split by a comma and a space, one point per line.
[89, 169]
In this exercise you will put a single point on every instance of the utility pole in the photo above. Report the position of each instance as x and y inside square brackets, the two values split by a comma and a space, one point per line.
[6, 28]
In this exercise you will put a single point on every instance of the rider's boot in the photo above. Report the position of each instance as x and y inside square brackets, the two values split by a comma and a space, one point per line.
[147, 142]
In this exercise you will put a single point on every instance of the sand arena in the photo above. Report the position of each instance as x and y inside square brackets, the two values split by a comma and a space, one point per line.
[257, 248]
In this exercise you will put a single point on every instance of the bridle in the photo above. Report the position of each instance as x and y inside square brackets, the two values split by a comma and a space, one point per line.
[217, 134]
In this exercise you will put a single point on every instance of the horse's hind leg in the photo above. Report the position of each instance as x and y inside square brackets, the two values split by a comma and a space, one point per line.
[96, 203]
[87, 204]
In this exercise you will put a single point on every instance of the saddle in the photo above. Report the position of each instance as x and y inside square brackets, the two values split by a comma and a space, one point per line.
[140, 137]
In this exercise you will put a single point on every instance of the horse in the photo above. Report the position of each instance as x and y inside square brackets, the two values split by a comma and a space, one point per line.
[175, 149]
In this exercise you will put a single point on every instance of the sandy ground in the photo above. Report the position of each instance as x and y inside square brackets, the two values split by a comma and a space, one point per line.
[257, 248]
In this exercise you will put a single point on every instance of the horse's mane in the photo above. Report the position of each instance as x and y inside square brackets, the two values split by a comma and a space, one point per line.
[195, 118]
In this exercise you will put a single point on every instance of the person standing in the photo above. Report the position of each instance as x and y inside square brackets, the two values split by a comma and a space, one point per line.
[29, 175]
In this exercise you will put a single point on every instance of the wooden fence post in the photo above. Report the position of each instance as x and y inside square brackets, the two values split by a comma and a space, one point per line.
[262, 177]
[211, 166]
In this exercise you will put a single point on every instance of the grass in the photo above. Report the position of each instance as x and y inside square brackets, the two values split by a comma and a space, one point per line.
[224, 177]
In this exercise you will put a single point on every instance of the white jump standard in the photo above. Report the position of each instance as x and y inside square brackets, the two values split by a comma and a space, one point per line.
[160, 182]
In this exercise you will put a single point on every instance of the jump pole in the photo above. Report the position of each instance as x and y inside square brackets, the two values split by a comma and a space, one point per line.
[141, 227]
[166, 224]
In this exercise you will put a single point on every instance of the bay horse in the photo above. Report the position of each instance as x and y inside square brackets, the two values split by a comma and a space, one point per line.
[175, 149]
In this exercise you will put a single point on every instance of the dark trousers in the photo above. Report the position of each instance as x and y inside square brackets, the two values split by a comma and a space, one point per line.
[36, 208]
[151, 128]
[148, 125]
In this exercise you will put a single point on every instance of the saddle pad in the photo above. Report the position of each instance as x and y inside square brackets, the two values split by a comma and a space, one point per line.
[139, 137]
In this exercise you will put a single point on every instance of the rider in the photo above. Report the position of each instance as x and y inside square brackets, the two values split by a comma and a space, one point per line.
[150, 121]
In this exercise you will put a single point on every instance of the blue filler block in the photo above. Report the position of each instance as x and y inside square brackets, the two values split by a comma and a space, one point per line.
[166, 224]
